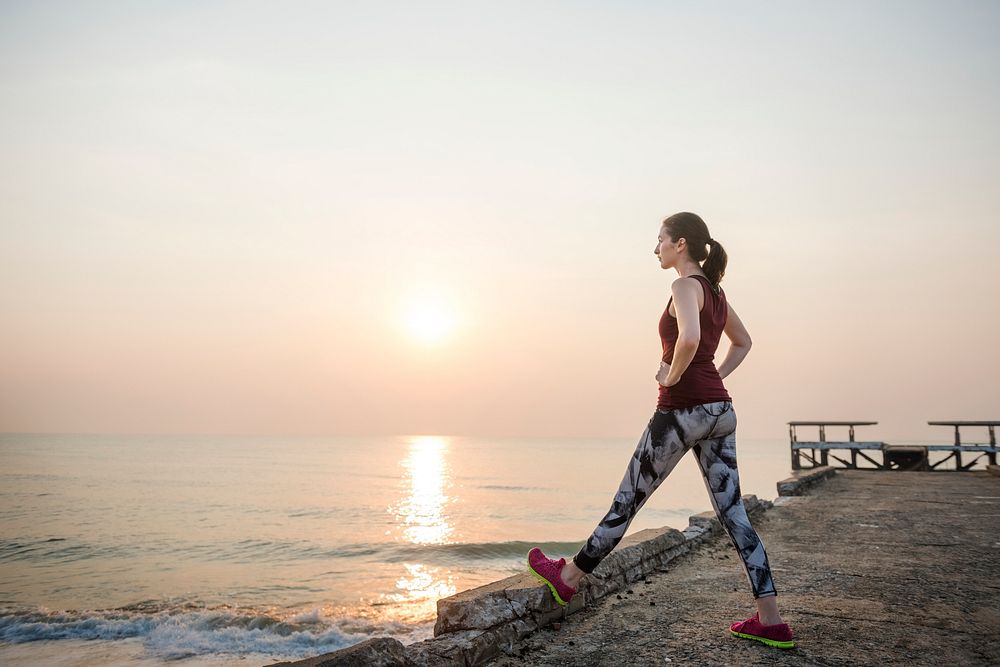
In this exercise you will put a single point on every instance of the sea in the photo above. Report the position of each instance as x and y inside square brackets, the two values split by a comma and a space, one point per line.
[217, 550]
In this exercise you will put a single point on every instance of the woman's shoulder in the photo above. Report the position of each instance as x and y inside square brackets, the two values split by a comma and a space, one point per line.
[685, 288]
[690, 283]
[687, 280]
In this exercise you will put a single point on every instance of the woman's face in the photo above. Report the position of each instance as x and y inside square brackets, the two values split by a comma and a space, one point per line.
[666, 249]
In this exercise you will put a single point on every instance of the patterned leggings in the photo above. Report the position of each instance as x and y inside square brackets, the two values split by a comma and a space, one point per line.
[710, 429]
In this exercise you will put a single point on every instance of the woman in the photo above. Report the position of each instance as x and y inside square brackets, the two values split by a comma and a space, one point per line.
[694, 411]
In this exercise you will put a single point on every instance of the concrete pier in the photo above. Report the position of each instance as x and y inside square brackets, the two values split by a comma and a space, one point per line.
[872, 568]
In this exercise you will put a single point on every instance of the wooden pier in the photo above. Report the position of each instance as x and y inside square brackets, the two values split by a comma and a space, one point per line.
[854, 454]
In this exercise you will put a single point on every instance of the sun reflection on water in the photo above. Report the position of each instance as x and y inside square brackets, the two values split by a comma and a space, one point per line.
[421, 514]
[422, 511]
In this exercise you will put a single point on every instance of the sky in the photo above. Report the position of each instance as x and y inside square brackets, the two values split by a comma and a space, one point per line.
[439, 218]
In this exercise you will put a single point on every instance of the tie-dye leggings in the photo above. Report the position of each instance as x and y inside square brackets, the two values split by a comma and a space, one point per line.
[710, 429]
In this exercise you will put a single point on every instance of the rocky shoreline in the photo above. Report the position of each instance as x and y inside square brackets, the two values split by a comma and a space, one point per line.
[871, 568]
[482, 623]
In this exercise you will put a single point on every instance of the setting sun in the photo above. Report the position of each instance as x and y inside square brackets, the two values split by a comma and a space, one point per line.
[429, 318]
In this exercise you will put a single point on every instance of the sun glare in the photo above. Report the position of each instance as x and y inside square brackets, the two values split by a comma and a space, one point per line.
[429, 319]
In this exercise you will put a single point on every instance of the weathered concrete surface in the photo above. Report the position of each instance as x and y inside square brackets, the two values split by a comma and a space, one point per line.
[802, 480]
[871, 567]
[375, 652]
[523, 597]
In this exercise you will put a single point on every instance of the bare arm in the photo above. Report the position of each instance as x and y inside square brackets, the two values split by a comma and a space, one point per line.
[688, 328]
[740, 338]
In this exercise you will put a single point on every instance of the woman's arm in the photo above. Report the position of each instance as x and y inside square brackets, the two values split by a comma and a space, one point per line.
[740, 338]
[685, 291]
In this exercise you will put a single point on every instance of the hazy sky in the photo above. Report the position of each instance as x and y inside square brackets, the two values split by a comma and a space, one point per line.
[220, 217]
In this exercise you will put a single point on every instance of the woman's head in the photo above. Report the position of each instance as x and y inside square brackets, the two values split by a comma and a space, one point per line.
[683, 239]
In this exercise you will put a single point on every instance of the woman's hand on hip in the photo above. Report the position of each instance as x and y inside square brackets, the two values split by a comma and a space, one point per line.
[661, 375]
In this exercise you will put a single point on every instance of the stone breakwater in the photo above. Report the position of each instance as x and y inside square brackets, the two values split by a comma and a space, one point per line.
[480, 624]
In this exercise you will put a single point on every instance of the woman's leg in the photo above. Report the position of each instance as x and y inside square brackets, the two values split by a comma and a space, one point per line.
[666, 439]
[717, 459]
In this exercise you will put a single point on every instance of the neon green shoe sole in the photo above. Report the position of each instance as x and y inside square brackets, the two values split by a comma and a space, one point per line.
[769, 642]
[548, 583]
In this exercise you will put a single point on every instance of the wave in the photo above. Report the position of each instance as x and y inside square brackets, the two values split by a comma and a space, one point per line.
[393, 552]
[260, 551]
[172, 631]
[437, 554]
[450, 554]
[50, 550]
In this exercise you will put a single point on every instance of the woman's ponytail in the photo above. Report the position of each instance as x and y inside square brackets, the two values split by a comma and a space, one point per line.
[715, 264]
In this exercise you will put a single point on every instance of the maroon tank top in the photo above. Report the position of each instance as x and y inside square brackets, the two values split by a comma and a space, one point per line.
[701, 382]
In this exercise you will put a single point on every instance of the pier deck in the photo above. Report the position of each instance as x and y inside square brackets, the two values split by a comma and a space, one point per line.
[872, 568]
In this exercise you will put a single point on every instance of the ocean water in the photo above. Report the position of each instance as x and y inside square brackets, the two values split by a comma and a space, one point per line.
[225, 550]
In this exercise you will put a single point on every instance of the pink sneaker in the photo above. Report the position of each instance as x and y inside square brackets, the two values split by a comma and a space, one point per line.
[779, 635]
[548, 570]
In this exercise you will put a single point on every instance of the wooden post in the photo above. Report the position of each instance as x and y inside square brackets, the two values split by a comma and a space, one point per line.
[854, 452]
[822, 438]
[992, 456]
[958, 453]
[796, 464]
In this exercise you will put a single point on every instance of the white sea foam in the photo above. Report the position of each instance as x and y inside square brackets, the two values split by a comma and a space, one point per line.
[173, 635]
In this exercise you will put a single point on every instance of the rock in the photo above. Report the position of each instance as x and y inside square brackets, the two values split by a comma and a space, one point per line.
[803, 479]
[376, 652]
[492, 604]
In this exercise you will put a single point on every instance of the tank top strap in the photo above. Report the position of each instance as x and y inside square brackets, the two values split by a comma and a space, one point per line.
[708, 282]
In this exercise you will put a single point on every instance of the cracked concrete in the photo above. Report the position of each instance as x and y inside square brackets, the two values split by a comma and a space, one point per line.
[871, 568]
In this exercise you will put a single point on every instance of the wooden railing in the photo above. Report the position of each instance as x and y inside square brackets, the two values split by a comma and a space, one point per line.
[979, 449]
[819, 452]
[815, 453]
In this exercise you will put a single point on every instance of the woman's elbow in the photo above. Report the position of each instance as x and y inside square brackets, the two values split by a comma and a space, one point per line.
[690, 342]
